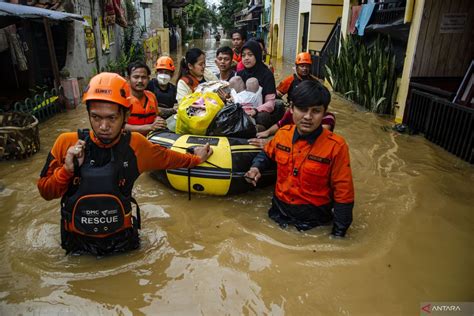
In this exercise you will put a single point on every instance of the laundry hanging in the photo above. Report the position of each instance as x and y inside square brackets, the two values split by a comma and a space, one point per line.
[364, 17]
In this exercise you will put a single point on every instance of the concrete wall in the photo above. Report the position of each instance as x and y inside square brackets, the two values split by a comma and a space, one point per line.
[305, 7]
[157, 14]
[278, 17]
[150, 14]
[346, 15]
[76, 60]
[409, 58]
[324, 14]
[165, 40]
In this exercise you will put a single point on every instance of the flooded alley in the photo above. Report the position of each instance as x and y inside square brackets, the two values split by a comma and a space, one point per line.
[409, 243]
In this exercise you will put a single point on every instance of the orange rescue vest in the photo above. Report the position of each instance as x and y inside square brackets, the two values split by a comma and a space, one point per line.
[237, 57]
[143, 111]
[191, 81]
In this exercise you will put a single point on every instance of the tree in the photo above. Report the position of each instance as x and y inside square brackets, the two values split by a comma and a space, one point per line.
[227, 9]
[199, 16]
[214, 17]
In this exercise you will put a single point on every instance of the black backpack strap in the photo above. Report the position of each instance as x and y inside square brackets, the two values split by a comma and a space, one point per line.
[137, 222]
[82, 134]
[124, 141]
[121, 150]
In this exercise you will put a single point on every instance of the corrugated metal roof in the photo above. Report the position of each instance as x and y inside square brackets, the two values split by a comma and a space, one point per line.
[29, 12]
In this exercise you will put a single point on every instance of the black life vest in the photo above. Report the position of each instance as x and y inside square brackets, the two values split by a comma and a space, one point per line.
[166, 98]
[98, 204]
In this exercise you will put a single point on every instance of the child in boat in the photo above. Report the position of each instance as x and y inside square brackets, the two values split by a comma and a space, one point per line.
[249, 95]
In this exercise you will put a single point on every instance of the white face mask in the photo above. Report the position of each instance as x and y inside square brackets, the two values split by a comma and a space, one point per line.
[163, 78]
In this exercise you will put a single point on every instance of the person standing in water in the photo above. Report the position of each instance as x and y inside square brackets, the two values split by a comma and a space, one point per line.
[94, 172]
[144, 110]
[314, 177]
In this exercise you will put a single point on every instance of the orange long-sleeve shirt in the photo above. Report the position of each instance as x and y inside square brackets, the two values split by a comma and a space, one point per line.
[55, 179]
[311, 173]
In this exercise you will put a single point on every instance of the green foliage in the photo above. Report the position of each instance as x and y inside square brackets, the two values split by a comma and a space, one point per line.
[131, 12]
[227, 9]
[214, 18]
[64, 73]
[199, 16]
[131, 49]
[38, 89]
[365, 75]
[119, 66]
[184, 34]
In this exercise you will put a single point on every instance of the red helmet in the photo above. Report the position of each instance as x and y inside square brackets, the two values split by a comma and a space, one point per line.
[109, 87]
[303, 58]
[165, 62]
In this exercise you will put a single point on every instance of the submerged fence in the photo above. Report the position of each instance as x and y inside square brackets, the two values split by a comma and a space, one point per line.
[42, 106]
[444, 123]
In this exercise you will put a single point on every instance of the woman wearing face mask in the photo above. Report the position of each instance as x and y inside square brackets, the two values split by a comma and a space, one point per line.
[192, 72]
[161, 86]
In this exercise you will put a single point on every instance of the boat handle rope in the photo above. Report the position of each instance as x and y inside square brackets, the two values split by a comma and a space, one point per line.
[190, 150]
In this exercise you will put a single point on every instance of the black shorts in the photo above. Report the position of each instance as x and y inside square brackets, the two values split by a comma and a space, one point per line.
[303, 217]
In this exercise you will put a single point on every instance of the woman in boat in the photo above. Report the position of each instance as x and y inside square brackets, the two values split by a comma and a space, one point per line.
[192, 72]
[266, 114]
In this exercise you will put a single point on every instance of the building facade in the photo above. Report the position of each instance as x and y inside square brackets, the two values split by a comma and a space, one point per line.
[301, 26]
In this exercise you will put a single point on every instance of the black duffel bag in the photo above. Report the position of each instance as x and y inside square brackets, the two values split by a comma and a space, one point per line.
[232, 121]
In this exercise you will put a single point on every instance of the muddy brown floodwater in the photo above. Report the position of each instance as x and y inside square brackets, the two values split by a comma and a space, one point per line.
[411, 241]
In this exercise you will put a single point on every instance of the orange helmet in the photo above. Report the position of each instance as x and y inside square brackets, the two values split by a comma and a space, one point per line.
[109, 87]
[303, 58]
[165, 62]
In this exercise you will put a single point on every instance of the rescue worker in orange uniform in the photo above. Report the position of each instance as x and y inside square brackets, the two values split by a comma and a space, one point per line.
[144, 106]
[314, 178]
[303, 64]
[94, 172]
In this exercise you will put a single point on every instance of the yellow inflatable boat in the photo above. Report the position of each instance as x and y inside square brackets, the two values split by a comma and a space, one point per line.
[222, 174]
